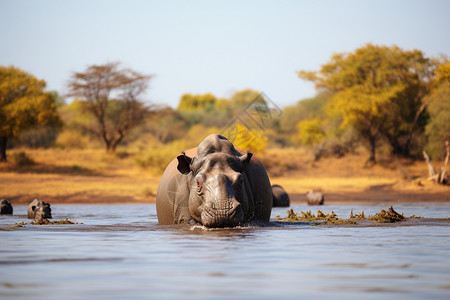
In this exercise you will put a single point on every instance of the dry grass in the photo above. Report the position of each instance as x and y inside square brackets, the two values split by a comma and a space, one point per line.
[92, 176]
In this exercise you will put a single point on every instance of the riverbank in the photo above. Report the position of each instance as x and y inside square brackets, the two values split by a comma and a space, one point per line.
[91, 176]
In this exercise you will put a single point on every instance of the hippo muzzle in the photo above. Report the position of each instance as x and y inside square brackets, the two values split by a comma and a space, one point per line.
[222, 214]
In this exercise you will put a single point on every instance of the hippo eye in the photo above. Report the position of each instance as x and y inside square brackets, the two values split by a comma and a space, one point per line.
[238, 181]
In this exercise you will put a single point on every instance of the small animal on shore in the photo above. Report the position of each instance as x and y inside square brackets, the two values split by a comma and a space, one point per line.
[38, 209]
[315, 198]
[280, 197]
[7, 208]
[214, 185]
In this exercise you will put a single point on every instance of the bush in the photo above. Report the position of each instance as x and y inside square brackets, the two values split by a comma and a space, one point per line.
[72, 139]
[21, 159]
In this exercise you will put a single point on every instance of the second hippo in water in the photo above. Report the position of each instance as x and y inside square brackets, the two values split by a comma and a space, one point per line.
[280, 197]
[314, 198]
[7, 208]
[38, 209]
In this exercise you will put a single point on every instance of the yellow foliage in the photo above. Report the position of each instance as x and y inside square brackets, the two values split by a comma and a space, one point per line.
[310, 132]
[23, 102]
[190, 102]
[246, 139]
[72, 139]
[443, 72]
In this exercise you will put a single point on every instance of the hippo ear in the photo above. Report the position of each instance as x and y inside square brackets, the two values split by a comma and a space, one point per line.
[184, 164]
[246, 158]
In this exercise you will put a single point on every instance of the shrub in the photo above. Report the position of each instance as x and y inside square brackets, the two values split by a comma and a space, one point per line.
[70, 138]
[21, 159]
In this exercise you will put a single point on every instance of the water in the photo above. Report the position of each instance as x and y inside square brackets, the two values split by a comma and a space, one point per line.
[119, 252]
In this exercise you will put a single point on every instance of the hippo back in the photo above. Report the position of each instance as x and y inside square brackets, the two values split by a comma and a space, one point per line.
[6, 207]
[38, 209]
[280, 197]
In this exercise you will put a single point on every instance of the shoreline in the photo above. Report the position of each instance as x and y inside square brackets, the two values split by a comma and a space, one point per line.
[296, 198]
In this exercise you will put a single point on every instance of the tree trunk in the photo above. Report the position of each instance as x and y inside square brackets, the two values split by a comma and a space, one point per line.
[440, 177]
[431, 171]
[373, 147]
[3, 143]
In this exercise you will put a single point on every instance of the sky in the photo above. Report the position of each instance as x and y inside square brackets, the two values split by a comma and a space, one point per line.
[217, 47]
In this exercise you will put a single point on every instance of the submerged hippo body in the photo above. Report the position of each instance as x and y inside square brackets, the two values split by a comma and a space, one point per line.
[280, 197]
[6, 207]
[215, 185]
[314, 198]
[39, 210]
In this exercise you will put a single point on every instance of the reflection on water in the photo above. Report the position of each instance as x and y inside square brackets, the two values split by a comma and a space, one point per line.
[120, 252]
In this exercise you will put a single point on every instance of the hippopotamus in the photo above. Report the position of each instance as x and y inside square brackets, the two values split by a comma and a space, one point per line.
[215, 185]
[7, 208]
[314, 198]
[38, 209]
[280, 197]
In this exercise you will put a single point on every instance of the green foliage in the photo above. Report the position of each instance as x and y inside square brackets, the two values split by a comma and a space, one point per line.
[306, 108]
[378, 91]
[23, 105]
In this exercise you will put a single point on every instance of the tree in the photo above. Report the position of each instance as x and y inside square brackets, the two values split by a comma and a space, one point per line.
[203, 103]
[379, 91]
[23, 105]
[111, 94]
[303, 109]
[438, 128]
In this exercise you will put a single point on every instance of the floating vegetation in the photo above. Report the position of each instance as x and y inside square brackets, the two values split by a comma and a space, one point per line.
[415, 217]
[360, 216]
[307, 216]
[320, 218]
[390, 216]
[15, 226]
[336, 221]
[44, 221]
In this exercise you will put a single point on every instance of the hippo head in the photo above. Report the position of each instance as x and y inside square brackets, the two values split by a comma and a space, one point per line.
[42, 210]
[6, 207]
[219, 191]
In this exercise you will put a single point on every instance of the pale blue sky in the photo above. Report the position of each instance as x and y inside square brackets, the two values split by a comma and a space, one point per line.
[211, 46]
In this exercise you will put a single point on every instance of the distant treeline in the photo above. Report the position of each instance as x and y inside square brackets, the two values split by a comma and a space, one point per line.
[386, 99]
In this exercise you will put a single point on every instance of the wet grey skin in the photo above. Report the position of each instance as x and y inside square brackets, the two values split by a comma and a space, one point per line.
[6, 207]
[315, 198]
[38, 209]
[215, 185]
[280, 197]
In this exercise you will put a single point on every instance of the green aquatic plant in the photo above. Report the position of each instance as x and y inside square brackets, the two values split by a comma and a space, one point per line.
[389, 216]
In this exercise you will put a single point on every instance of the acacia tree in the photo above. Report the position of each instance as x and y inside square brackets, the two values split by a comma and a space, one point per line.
[23, 104]
[111, 94]
[379, 91]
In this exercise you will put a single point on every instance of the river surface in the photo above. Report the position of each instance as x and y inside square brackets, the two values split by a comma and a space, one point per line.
[119, 252]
